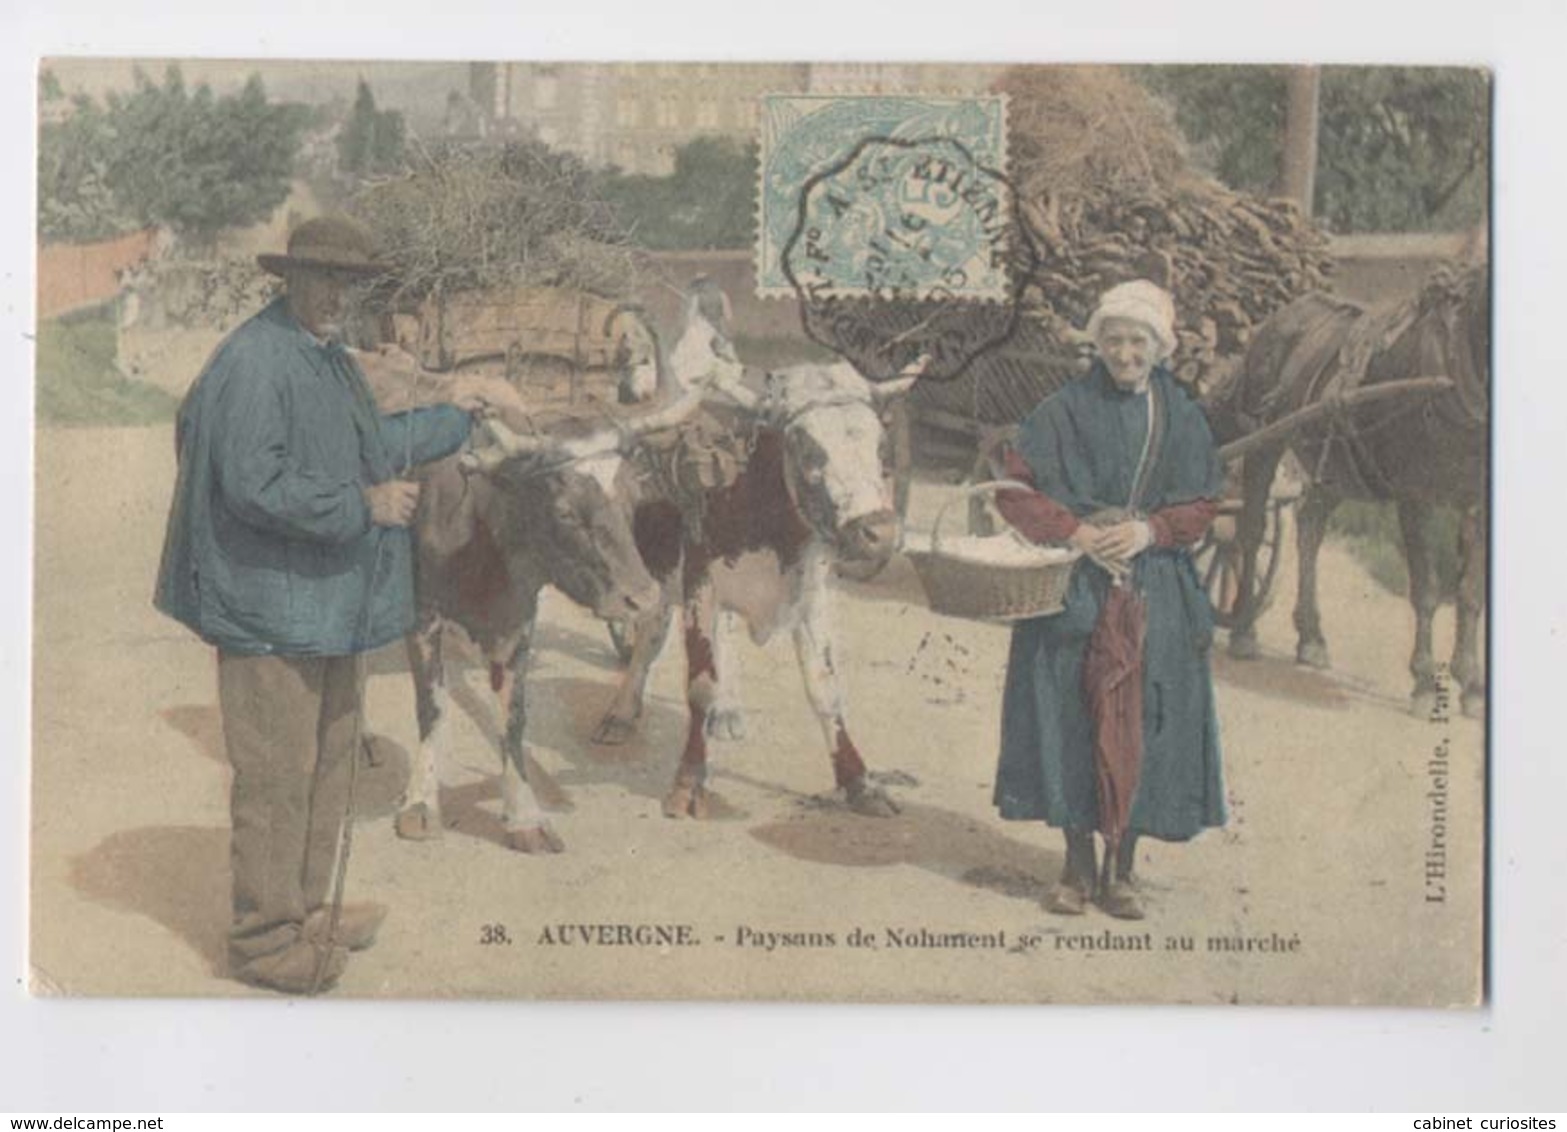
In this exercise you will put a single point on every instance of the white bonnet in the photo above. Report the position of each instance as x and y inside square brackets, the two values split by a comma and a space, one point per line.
[1139, 301]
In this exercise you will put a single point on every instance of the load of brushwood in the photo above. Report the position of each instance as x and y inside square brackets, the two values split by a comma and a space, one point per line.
[464, 217]
[1107, 194]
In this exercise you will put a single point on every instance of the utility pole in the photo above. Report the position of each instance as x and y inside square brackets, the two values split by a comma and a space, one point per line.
[1298, 167]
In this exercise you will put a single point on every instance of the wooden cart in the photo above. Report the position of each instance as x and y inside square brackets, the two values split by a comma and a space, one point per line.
[561, 348]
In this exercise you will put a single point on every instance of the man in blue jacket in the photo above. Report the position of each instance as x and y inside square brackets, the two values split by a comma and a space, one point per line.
[288, 549]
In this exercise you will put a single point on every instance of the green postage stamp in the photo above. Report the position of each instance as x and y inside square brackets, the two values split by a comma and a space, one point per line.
[842, 532]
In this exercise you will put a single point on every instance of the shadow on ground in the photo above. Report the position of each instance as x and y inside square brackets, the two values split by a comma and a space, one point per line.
[178, 876]
[593, 648]
[563, 714]
[927, 837]
[202, 725]
[1280, 678]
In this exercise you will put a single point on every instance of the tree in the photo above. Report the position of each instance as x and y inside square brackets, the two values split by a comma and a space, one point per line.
[708, 201]
[1399, 148]
[1404, 148]
[165, 155]
[372, 139]
[75, 201]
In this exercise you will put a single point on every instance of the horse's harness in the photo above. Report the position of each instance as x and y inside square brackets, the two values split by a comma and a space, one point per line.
[1345, 372]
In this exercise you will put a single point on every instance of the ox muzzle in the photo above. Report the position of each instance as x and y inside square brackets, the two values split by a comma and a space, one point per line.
[870, 539]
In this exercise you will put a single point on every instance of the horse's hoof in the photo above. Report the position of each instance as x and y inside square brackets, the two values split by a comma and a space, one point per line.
[686, 802]
[1422, 705]
[871, 802]
[1472, 704]
[1313, 654]
[419, 822]
[535, 839]
[727, 725]
[1244, 646]
[615, 730]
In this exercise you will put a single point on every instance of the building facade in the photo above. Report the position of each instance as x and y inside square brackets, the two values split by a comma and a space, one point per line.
[636, 115]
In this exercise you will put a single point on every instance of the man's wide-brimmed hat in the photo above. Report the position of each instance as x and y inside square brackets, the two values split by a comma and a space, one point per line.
[328, 243]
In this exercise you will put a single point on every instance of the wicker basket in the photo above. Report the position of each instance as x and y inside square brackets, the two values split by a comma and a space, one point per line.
[1002, 577]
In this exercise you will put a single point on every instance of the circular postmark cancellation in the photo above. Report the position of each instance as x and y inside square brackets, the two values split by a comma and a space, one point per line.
[908, 249]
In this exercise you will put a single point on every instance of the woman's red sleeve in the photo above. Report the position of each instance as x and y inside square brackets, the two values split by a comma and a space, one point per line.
[1182, 524]
[1035, 514]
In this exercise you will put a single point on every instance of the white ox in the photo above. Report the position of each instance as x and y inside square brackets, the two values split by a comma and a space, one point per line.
[810, 493]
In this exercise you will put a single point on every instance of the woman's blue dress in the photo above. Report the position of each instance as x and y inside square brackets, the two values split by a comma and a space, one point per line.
[1084, 446]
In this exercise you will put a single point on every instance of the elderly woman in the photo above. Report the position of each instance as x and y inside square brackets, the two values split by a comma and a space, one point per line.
[1123, 467]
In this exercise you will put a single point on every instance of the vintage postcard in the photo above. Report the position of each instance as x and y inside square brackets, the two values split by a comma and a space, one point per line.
[842, 532]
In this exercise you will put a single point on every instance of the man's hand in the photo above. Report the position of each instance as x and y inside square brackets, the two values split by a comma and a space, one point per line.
[392, 504]
[473, 404]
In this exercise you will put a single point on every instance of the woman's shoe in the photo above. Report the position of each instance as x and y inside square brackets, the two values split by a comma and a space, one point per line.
[1120, 899]
[1067, 898]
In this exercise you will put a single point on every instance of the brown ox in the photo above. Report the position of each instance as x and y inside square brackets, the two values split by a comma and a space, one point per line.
[524, 510]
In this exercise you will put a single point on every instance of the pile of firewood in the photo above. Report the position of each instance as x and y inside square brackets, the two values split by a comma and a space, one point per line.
[1124, 205]
[1229, 260]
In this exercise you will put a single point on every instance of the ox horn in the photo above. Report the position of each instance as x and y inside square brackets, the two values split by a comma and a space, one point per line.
[501, 443]
[728, 379]
[670, 415]
[887, 390]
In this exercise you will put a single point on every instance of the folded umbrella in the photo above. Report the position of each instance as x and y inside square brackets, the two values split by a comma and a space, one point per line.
[1113, 685]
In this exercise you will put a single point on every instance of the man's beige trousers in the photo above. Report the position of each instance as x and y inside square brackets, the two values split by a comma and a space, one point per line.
[291, 725]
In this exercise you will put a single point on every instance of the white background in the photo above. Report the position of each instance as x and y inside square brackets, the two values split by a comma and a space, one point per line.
[68, 1056]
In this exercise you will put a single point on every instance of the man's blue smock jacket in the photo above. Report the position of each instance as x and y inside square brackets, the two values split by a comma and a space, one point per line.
[270, 548]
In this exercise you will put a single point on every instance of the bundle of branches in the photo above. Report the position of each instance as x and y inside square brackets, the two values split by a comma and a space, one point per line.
[466, 217]
[1107, 193]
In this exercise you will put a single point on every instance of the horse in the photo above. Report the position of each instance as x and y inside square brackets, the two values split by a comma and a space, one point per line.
[1420, 451]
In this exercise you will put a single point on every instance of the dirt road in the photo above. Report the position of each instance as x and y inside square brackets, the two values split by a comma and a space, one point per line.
[1316, 891]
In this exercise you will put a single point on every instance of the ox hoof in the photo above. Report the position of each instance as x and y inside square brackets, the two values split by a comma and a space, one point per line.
[687, 802]
[727, 725]
[1313, 654]
[1472, 704]
[535, 839]
[871, 802]
[419, 822]
[1244, 646]
[1422, 705]
[615, 730]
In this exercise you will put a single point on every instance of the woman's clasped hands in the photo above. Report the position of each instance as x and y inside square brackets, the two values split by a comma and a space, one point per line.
[1113, 547]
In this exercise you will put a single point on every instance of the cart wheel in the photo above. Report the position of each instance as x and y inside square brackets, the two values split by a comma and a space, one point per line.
[1218, 560]
[623, 635]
